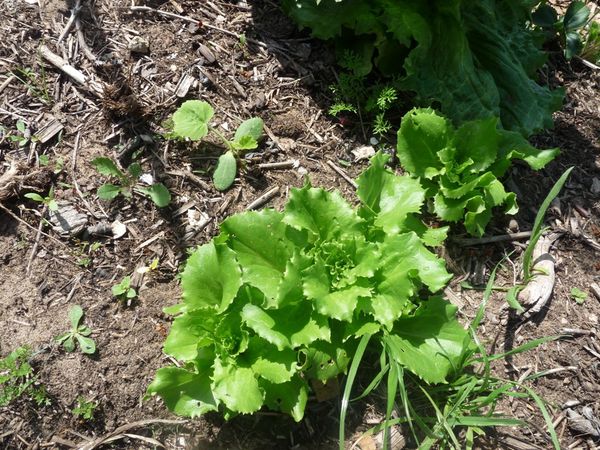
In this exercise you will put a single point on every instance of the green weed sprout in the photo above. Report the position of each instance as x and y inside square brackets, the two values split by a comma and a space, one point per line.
[77, 333]
[128, 183]
[84, 408]
[48, 201]
[123, 289]
[17, 379]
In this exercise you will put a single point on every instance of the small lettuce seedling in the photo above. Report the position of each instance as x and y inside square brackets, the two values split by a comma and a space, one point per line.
[191, 121]
[84, 409]
[17, 379]
[127, 183]
[77, 332]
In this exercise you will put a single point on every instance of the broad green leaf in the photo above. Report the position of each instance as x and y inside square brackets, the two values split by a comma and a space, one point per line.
[270, 363]
[387, 308]
[237, 388]
[290, 397]
[422, 134]
[106, 166]
[87, 344]
[211, 278]
[400, 197]
[371, 181]
[258, 240]
[576, 16]
[185, 393]
[191, 119]
[340, 305]
[449, 209]
[259, 321]
[252, 128]
[430, 343]
[573, 44]
[189, 332]
[326, 360]
[325, 214]
[158, 193]
[108, 191]
[75, 315]
[301, 324]
[545, 16]
[35, 197]
[478, 140]
[404, 255]
[225, 172]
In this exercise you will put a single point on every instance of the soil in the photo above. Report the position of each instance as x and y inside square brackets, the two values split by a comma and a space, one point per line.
[281, 75]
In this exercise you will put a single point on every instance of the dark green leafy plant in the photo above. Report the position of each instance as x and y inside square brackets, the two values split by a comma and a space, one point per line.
[460, 167]
[259, 322]
[128, 183]
[192, 121]
[77, 333]
[568, 27]
[17, 379]
[474, 59]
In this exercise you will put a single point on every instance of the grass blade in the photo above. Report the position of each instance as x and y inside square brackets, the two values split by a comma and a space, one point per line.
[536, 231]
[358, 355]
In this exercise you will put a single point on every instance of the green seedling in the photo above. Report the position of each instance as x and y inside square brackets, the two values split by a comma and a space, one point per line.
[77, 332]
[192, 121]
[123, 290]
[17, 379]
[49, 201]
[128, 183]
[36, 85]
[568, 27]
[24, 136]
[84, 409]
[578, 295]
[58, 165]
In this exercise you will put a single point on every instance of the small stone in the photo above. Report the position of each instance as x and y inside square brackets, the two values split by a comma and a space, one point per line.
[364, 152]
[595, 189]
[139, 45]
[373, 140]
[513, 226]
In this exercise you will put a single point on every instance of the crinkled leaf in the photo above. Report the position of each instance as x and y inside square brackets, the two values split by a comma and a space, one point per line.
[190, 331]
[259, 321]
[325, 214]
[270, 363]
[257, 238]
[211, 278]
[422, 134]
[340, 305]
[185, 393]
[191, 119]
[289, 397]
[430, 343]
[237, 388]
[478, 141]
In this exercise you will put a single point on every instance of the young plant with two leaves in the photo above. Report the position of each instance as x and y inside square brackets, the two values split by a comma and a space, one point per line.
[258, 323]
[128, 183]
[461, 168]
[192, 121]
